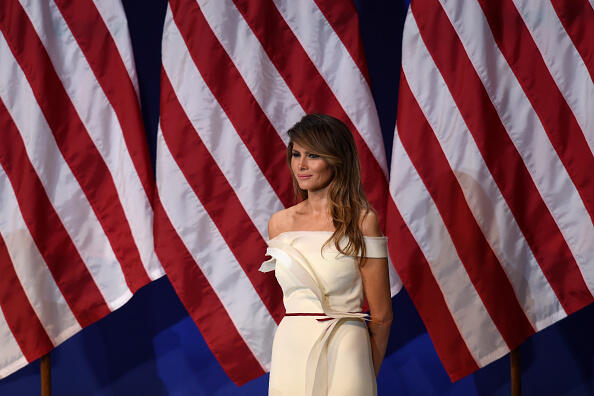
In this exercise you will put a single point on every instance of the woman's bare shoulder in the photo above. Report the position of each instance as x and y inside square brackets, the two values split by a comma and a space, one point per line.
[282, 221]
[369, 223]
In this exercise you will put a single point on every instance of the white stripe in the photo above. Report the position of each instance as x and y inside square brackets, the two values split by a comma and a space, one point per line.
[335, 65]
[11, 358]
[395, 281]
[61, 186]
[99, 119]
[216, 131]
[423, 220]
[216, 261]
[563, 61]
[112, 13]
[281, 107]
[527, 133]
[482, 195]
[35, 277]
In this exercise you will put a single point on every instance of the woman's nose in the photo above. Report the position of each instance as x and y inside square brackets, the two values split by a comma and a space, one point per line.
[303, 163]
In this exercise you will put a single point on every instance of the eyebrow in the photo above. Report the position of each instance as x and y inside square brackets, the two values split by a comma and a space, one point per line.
[306, 152]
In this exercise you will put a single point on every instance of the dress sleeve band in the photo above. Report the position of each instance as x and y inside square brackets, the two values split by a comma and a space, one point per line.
[376, 247]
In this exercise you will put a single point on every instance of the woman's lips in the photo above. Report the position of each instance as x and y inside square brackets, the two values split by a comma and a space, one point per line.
[304, 177]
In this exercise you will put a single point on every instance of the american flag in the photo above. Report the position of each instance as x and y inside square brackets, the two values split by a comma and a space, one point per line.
[492, 176]
[76, 188]
[236, 75]
[76, 236]
[489, 215]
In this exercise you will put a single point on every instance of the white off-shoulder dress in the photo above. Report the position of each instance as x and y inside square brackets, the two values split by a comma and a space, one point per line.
[321, 346]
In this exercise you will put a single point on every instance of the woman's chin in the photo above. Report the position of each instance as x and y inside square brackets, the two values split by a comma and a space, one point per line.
[304, 186]
[313, 185]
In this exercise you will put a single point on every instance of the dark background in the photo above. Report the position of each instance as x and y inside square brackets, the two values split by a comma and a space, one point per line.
[151, 347]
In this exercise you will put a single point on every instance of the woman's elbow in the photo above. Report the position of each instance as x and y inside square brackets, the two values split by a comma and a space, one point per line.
[382, 318]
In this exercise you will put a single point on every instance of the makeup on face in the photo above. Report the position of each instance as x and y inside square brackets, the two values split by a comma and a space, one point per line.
[310, 169]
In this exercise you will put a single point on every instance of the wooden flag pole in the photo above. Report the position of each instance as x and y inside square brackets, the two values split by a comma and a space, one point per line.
[516, 372]
[46, 375]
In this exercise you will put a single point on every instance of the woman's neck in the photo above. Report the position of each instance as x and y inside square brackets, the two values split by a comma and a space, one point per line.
[318, 202]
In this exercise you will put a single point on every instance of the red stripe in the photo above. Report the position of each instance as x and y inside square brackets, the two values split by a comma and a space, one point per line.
[234, 97]
[500, 155]
[202, 303]
[96, 42]
[308, 86]
[20, 316]
[420, 284]
[48, 232]
[99, 49]
[497, 295]
[72, 138]
[525, 60]
[577, 17]
[217, 196]
[342, 16]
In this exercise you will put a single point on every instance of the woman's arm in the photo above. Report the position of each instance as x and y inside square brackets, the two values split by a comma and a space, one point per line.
[376, 285]
[274, 225]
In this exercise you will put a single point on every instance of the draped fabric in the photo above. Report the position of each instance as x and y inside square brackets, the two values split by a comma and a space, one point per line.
[489, 203]
[236, 76]
[76, 235]
[492, 182]
[77, 192]
[318, 280]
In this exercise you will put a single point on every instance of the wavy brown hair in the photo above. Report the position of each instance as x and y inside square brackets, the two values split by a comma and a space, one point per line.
[329, 138]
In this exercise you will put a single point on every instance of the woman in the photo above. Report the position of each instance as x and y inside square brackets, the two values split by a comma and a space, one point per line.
[328, 253]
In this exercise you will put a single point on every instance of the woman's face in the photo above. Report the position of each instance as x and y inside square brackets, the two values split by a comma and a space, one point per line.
[311, 171]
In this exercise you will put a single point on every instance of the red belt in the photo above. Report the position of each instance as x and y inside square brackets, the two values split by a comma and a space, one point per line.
[309, 314]
[312, 314]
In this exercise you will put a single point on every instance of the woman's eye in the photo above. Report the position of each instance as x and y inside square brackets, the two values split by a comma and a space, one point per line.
[296, 154]
[313, 156]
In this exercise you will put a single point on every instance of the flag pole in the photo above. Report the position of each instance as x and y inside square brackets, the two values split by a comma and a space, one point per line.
[46, 378]
[516, 372]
